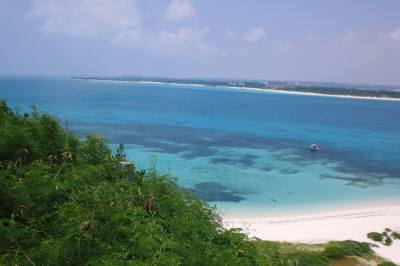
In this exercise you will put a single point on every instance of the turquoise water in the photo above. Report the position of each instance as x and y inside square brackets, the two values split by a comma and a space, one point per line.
[241, 150]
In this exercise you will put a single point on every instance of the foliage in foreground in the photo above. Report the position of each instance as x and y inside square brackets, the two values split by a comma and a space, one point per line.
[386, 263]
[64, 201]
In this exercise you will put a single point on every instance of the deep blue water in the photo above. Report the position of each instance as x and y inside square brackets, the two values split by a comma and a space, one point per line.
[240, 149]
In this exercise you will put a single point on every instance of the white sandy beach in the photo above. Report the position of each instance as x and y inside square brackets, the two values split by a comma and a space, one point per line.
[146, 82]
[320, 227]
[281, 91]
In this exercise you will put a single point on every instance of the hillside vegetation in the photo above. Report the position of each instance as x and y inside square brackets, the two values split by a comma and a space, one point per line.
[67, 201]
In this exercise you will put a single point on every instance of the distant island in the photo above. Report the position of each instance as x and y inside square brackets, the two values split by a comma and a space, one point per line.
[315, 88]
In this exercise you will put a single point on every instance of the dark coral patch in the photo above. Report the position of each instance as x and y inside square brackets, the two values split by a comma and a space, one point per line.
[288, 171]
[246, 161]
[214, 191]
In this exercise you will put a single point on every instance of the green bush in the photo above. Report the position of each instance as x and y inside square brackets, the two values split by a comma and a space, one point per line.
[387, 263]
[335, 250]
[388, 241]
[307, 259]
[395, 235]
[375, 236]
[354, 248]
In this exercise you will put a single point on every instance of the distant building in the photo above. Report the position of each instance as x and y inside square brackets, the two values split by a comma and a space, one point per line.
[237, 83]
[278, 84]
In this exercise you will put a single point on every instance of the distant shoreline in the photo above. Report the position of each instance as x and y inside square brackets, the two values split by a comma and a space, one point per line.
[269, 90]
[283, 91]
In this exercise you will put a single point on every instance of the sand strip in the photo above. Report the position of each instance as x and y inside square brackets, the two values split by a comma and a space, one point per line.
[281, 91]
[325, 226]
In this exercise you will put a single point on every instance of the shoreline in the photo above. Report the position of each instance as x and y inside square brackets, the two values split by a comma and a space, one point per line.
[349, 223]
[281, 91]
[309, 209]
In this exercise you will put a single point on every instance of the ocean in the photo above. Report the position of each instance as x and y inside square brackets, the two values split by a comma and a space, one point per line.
[244, 151]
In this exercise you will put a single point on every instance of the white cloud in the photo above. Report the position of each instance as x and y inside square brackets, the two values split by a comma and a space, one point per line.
[119, 21]
[179, 10]
[395, 35]
[255, 35]
[128, 38]
[230, 33]
[285, 47]
[182, 40]
[183, 34]
[312, 37]
[114, 18]
[346, 39]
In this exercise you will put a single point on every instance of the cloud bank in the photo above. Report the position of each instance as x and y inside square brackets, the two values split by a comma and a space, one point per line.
[87, 17]
[395, 35]
[255, 35]
[120, 21]
[179, 10]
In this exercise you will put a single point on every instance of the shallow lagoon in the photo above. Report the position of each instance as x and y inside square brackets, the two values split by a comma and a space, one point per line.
[245, 151]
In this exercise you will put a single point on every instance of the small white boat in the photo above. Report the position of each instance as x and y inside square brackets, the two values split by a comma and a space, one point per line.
[314, 147]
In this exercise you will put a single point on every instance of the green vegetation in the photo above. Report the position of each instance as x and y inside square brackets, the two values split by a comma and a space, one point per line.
[66, 201]
[388, 241]
[386, 263]
[396, 235]
[378, 237]
[338, 253]
[337, 250]
[69, 202]
[386, 237]
[282, 254]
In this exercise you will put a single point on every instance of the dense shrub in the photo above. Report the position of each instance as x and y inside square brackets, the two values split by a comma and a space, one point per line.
[388, 241]
[335, 251]
[385, 237]
[387, 263]
[396, 235]
[375, 236]
[65, 201]
[307, 259]
[351, 248]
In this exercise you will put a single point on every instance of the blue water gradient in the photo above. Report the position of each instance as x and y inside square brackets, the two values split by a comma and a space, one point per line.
[243, 150]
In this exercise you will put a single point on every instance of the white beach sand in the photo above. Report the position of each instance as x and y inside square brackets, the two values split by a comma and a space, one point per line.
[320, 227]
[260, 90]
[282, 91]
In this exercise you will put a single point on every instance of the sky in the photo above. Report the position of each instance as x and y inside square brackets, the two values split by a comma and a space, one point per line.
[355, 41]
